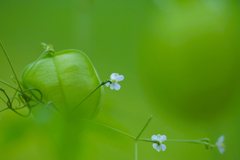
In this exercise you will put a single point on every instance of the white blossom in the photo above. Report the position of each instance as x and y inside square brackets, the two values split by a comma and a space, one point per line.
[115, 78]
[220, 144]
[159, 146]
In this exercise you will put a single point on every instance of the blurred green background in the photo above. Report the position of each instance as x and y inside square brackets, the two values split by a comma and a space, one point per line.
[180, 59]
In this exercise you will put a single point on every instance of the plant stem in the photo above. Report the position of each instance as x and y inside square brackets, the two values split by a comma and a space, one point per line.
[136, 157]
[5, 52]
[3, 100]
[45, 105]
[171, 140]
[4, 109]
[176, 140]
[135, 138]
[111, 128]
[144, 127]
[51, 103]
[35, 63]
[9, 104]
[90, 94]
[9, 85]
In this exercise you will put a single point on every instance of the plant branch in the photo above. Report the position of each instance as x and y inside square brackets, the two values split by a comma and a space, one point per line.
[144, 127]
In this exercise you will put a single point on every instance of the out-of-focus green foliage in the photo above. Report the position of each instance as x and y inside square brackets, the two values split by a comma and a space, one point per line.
[180, 62]
[192, 55]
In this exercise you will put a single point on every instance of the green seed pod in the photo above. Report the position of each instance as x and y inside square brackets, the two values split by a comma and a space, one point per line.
[65, 78]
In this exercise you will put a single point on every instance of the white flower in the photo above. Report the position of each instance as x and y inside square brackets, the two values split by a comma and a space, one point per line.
[220, 144]
[159, 146]
[114, 78]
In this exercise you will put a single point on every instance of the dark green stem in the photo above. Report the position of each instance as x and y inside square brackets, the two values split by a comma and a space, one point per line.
[9, 85]
[4, 109]
[5, 52]
[90, 94]
[9, 104]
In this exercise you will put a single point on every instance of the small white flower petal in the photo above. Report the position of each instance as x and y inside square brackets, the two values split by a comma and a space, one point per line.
[120, 78]
[154, 137]
[157, 147]
[117, 86]
[159, 137]
[220, 144]
[163, 147]
[163, 138]
[107, 84]
[114, 76]
[221, 139]
[221, 150]
[112, 86]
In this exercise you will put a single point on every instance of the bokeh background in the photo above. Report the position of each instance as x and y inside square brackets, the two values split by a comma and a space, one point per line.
[180, 59]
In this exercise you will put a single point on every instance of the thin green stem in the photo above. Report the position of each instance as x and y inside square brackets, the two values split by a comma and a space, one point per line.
[44, 105]
[136, 156]
[111, 128]
[9, 85]
[20, 107]
[34, 64]
[86, 97]
[3, 100]
[171, 140]
[51, 103]
[13, 79]
[9, 104]
[176, 140]
[90, 94]
[22, 114]
[4, 109]
[19, 102]
[5, 52]
[145, 139]
[144, 127]
[14, 96]
[200, 141]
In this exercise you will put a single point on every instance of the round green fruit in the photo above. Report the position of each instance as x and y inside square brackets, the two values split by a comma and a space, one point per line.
[65, 78]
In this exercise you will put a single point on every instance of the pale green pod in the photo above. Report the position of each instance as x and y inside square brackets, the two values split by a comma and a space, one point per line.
[66, 78]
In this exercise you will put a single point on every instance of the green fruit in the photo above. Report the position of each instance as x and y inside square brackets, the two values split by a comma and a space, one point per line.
[66, 78]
